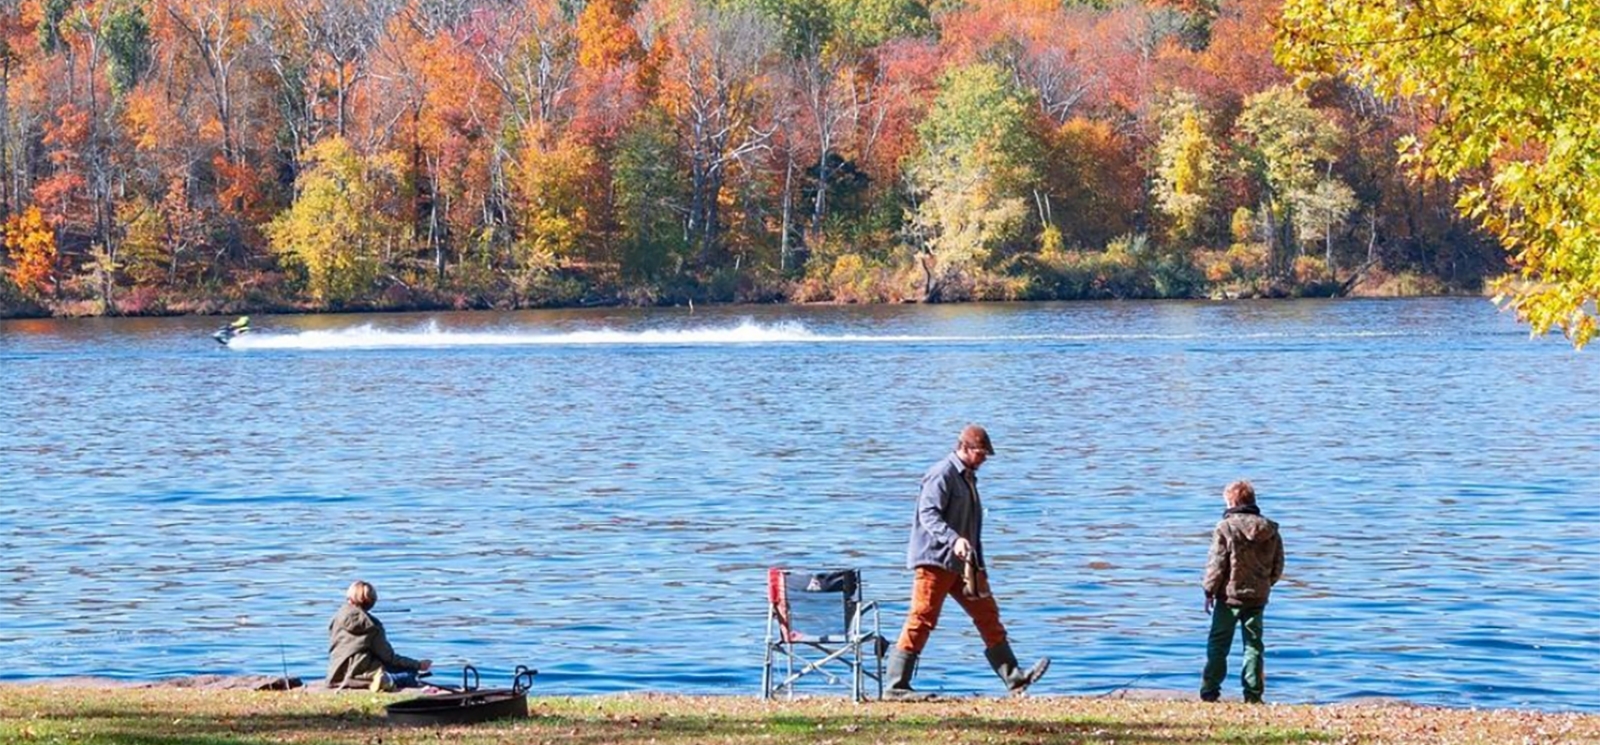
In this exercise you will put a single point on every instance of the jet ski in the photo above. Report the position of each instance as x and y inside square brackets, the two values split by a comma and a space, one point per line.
[238, 327]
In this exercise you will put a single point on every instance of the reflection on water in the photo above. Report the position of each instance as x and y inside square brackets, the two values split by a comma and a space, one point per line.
[598, 493]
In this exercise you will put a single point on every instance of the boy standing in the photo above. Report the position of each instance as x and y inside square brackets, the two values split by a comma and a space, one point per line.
[1246, 561]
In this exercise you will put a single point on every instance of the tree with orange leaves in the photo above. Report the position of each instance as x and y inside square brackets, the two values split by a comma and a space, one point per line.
[613, 87]
[712, 85]
[213, 34]
[31, 243]
[610, 59]
[605, 39]
[431, 82]
[64, 193]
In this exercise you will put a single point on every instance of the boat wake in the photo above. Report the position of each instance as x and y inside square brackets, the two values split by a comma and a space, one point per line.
[746, 332]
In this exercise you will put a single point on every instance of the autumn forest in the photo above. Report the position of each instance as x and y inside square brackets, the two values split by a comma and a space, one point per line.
[179, 156]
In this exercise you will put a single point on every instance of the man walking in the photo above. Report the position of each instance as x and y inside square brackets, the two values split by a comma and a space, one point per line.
[946, 554]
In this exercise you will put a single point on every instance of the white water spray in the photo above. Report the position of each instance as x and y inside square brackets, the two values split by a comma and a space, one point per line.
[746, 332]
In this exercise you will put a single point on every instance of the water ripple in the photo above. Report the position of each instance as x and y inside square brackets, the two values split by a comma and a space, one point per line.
[598, 493]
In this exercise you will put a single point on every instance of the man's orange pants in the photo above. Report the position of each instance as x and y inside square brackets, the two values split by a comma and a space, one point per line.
[928, 591]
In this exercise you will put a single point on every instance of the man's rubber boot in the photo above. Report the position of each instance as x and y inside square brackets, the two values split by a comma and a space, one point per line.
[1004, 662]
[902, 665]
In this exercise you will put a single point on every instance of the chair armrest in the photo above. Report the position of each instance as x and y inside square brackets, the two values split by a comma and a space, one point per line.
[862, 619]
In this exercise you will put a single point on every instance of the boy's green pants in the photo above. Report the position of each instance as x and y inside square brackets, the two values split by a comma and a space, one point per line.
[1223, 619]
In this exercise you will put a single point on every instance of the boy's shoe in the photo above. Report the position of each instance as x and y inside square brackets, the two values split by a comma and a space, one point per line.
[1210, 697]
[381, 683]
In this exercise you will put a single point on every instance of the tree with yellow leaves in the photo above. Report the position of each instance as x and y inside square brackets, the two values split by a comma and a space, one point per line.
[971, 176]
[1186, 168]
[558, 187]
[1516, 85]
[338, 229]
[1285, 146]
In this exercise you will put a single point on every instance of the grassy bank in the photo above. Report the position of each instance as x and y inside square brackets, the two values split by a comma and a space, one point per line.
[50, 714]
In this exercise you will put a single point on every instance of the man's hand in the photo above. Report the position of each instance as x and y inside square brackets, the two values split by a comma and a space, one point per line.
[1209, 602]
[424, 665]
[962, 548]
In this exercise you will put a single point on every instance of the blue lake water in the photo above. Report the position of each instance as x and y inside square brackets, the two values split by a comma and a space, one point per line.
[598, 493]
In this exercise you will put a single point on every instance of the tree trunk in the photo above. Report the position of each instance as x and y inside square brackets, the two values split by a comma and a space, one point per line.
[708, 234]
[434, 238]
[1328, 245]
[820, 208]
[340, 94]
[1274, 261]
[6, 200]
[1350, 282]
[788, 200]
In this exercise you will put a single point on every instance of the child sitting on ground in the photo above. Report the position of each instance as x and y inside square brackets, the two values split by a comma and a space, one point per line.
[1246, 561]
[359, 655]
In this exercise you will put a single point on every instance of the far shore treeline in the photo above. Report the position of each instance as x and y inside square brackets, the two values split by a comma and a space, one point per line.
[176, 156]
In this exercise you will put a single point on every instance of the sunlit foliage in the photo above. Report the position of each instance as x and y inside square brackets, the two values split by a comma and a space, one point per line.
[531, 152]
[1286, 147]
[1515, 85]
[337, 230]
[1186, 170]
[973, 173]
[31, 244]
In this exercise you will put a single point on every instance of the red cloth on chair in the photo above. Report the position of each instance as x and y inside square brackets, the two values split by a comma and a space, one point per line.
[778, 595]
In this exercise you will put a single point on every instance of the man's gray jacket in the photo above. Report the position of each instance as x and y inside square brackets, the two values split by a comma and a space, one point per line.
[946, 508]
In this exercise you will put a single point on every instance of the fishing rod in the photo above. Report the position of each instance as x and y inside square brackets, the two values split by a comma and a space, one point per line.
[283, 660]
[1124, 686]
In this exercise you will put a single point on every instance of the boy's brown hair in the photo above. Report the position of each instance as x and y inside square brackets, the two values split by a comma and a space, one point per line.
[1239, 494]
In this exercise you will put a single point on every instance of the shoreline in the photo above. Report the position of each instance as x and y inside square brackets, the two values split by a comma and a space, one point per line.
[224, 310]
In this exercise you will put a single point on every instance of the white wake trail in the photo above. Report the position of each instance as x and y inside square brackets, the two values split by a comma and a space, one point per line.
[746, 332]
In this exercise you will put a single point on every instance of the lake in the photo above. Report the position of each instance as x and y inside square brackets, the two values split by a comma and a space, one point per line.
[598, 493]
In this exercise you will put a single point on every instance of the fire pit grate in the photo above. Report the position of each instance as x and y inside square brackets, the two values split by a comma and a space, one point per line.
[468, 705]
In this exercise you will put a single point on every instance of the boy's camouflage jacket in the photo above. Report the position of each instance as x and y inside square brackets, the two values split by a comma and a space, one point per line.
[1246, 558]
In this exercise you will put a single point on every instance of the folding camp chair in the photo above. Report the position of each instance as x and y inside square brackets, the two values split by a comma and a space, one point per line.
[821, 613]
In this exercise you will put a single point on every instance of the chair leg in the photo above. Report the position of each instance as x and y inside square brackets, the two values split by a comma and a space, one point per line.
[877, 656]
[788, 680]
[766, 675]
[855, 674]
[840, 655]
[766, 662]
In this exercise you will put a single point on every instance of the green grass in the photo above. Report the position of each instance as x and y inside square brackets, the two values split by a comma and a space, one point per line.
[1271, 735]
[166, 716]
